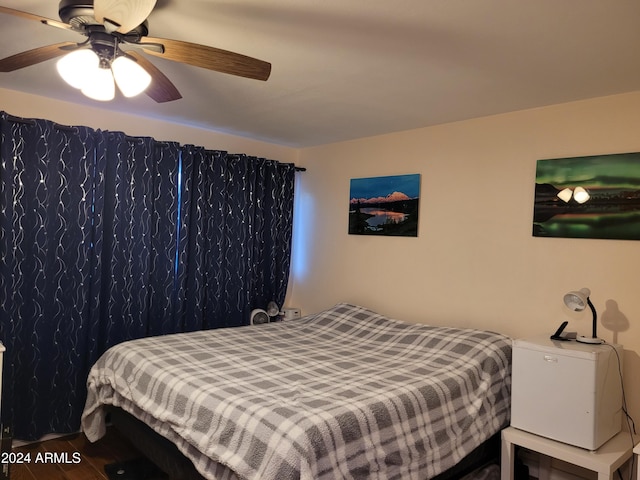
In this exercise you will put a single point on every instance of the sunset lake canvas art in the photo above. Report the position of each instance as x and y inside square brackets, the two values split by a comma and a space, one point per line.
[385, 205]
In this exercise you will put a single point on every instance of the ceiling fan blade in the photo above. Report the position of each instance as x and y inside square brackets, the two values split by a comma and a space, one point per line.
[161, 89]
[210, 58]
[37, 18]
[37, 55]
[122, 15]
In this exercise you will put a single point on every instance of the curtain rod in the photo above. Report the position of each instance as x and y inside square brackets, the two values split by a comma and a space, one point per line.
[25, 121]
[31, 121]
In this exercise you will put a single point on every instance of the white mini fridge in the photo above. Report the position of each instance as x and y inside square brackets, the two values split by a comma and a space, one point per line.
[567, 391]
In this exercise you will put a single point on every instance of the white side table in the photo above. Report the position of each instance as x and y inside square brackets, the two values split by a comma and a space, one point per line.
[637, 452]
[605, 461]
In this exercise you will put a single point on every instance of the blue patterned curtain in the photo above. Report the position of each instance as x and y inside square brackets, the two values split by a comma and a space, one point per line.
[106, 238]
[238, 214]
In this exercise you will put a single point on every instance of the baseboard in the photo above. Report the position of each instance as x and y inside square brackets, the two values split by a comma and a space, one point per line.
[49, 436]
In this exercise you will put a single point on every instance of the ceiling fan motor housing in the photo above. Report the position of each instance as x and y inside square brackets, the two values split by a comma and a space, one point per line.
[79, 14]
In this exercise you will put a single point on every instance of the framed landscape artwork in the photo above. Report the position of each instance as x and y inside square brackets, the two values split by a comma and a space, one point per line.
[385, 205]
[588, 197]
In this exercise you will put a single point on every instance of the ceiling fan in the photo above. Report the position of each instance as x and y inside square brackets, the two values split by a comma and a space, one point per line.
[116, 32]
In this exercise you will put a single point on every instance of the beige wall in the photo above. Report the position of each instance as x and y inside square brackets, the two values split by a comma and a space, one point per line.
[475, 262]
[32, 106]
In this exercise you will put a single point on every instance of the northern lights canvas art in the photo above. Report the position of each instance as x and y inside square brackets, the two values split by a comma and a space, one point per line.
[588, 197]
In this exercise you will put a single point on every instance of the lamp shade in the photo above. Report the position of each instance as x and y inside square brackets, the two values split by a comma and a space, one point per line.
[78, 67]
[101, 87]
[130, 77]
[577, 300]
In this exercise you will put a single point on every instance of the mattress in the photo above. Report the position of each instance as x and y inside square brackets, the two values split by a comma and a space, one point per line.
[346, 393]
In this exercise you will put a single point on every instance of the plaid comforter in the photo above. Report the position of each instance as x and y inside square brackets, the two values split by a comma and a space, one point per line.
[346, 393]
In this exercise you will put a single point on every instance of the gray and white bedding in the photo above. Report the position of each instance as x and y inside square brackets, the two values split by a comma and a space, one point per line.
[346, 393]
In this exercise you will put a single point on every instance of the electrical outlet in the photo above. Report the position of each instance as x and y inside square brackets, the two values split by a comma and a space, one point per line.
[291, 313]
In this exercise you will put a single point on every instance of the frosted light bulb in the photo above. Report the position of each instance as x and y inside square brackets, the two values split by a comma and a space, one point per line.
[130, 77]
[101, 86]
[77, 68]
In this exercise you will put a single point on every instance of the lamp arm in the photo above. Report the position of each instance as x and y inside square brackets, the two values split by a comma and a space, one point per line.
[595, 317]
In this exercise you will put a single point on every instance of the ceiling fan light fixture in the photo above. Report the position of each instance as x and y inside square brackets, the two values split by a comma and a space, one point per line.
[97, 19]
[130, 77]
[101, 86]
[78, 67]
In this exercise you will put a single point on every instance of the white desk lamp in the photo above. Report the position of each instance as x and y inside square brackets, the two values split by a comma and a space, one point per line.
[578, 301]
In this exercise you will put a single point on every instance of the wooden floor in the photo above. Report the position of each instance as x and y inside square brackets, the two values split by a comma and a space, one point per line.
[70, 458]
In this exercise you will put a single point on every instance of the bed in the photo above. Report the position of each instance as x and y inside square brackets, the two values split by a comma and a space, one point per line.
[345, 393]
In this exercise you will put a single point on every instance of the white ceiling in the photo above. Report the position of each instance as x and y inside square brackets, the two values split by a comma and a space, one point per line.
[345, 69]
